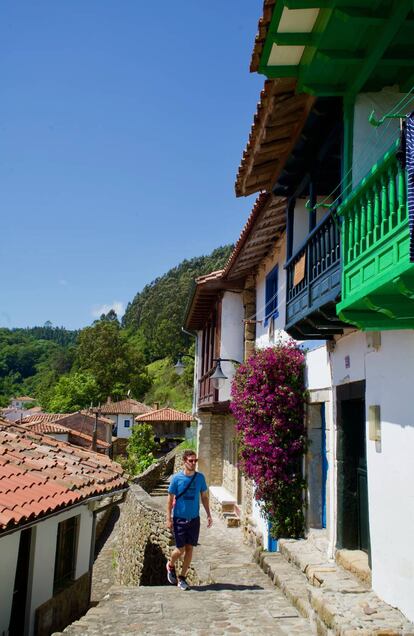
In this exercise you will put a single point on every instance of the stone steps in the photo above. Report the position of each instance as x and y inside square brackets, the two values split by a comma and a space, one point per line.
[334, 600]
[161, 489]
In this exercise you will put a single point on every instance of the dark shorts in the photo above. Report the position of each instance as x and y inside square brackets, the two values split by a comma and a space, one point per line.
[186, 532]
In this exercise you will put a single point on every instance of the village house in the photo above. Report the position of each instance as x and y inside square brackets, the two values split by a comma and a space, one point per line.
[50, 494]
[123, 414]
[81, 428]
[215, 314]
[167, 423]
[341, 272]
[21, 402]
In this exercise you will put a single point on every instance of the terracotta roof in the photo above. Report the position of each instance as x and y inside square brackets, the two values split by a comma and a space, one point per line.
[46, 427]
[38, 418]
[263, 228]
[58, 417]
[125, 406]
[263, 27]
[73, 435]
[24, 398]
[165, 415]
[40, 475]
[278, 122]
[204, 294]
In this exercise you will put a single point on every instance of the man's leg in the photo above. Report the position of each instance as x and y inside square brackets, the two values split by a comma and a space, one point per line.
[177, 553]
[187, 559]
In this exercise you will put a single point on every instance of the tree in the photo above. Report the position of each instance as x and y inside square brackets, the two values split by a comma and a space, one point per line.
[104, 351]
[140, 449]
[73, 392]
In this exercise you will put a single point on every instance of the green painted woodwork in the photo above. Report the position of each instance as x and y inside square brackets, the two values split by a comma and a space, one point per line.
[355, 45]
[377, 276]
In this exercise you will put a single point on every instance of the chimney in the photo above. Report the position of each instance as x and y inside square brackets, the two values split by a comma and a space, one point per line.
[108, 399]
[156, 406]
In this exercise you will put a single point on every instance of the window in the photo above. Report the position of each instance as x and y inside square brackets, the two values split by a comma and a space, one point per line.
[271, 310]
[127, 423]
[66, 549]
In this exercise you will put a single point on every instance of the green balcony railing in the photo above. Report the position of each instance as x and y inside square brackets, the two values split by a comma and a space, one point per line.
[375, 208]
[377, 275]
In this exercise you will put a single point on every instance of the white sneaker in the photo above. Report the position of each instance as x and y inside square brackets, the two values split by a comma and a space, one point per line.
[182, 584]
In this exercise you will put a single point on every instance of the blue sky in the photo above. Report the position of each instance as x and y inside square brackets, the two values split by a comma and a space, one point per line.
[122, 124]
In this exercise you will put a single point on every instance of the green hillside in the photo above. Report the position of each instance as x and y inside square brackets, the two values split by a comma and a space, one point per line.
[66, 370]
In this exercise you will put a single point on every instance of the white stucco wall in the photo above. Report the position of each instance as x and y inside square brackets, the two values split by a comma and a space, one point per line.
[232, 337]
[119, 419]
[44, 555]
[300, 225]
[390, 382]
[389, 375]
[276, 257]
[9, 548]
[371, 143]
[318, 370]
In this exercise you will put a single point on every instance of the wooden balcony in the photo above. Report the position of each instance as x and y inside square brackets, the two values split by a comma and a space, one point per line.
[313, 280]
[378, 278]
[207, 394]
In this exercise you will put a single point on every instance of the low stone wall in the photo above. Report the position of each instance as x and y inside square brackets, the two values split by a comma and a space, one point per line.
[64, 608]
[144, 542]
[157, 471]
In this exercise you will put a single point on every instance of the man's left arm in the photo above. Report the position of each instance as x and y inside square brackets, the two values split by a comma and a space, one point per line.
[206, 504]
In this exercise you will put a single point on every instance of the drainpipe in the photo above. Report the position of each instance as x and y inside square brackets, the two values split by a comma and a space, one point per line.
[194, 335]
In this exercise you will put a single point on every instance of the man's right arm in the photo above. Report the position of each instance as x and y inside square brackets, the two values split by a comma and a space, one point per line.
[170, 501]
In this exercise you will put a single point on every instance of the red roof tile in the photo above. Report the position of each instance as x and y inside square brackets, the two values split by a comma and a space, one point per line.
[125, 406]
[39, 474]
[165, 415]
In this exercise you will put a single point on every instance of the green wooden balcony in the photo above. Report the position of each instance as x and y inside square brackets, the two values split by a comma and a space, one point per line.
[377, 276]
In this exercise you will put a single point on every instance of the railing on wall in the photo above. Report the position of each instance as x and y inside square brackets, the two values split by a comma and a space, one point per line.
[375, 208]
[318, 255]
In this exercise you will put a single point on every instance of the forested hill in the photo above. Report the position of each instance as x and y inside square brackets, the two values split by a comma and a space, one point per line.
[156, 313]
[67, 370]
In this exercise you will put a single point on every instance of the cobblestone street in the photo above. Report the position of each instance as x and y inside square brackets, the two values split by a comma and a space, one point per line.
[235, 597]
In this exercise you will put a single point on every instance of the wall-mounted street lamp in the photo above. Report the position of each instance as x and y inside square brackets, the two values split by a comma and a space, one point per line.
[179, 365]
[218, 376]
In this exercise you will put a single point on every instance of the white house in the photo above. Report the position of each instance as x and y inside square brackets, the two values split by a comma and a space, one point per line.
[50, 492]
[123, 414]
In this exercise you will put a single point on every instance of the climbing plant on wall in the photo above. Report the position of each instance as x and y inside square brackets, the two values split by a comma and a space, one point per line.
[268, 400]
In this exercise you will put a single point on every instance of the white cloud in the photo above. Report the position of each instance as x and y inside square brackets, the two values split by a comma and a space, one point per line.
[116, 305]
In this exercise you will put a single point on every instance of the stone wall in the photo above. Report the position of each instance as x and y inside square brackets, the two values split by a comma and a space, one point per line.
[63, 608]
[230, 471]
[162, 468]
[144, 542]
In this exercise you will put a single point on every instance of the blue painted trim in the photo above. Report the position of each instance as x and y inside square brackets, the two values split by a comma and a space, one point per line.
[272, 545]
[271, 295]
[324, 463]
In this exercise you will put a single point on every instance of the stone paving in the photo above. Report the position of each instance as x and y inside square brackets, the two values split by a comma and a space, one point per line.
[234, 597]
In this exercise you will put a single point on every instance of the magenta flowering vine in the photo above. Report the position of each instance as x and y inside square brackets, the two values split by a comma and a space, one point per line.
[268, 401]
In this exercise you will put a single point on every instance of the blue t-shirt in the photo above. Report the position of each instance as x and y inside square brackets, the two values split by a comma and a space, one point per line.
[187, 506]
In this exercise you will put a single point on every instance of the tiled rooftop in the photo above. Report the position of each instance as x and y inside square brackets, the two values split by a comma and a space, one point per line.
[165, 415]
[125, 406]
[38, 418]
[74, 437]
[40, 475]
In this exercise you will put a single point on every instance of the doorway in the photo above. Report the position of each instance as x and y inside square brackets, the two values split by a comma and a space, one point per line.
[316, 466]
[19, 603]
[352, 481]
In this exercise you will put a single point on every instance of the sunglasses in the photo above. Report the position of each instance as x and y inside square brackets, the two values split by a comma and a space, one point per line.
[192, 461]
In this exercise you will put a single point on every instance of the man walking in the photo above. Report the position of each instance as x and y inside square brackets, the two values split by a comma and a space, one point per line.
[184, 493]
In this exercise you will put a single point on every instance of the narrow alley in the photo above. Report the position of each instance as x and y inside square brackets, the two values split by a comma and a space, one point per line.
[234, 597]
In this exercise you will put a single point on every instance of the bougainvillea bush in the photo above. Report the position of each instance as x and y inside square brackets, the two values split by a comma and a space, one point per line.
[268, 400]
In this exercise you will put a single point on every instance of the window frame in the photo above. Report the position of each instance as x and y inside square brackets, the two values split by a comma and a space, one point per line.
[127, 423]
[67, 539]
[271, 292]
